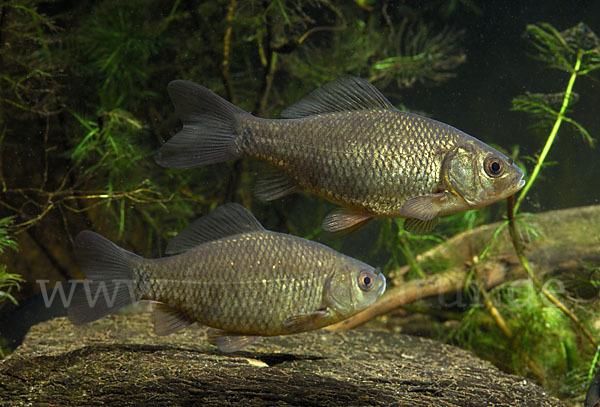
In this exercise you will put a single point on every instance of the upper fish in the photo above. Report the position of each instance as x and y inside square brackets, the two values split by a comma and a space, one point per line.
[348, 144]
[229, 273]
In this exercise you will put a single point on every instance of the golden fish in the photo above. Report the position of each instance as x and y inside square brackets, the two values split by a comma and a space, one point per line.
[348, 144]
[229, 273]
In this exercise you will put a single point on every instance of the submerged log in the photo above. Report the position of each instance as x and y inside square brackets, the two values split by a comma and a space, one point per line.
[567, 242]
[118, 361]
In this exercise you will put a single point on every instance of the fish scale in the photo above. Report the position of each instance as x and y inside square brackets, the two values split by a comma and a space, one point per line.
[229, 273]
[355, 168]
[347, 143]
[256, 294]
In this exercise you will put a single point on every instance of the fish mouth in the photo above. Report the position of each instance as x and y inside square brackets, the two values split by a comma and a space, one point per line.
[515, 189]
[383, 283]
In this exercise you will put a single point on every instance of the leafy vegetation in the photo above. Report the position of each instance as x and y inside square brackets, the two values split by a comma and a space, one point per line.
[542, 328]
[8, 281]
[83, 108]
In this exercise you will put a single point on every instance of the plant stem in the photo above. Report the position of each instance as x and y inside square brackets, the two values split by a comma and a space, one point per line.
[410, 257]
[552, 136]
[537, 282]
[227, 51]
[512, 209]
[501, 322]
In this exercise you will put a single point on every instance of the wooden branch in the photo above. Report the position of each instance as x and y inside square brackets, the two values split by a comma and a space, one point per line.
[568, 239]
[448, 281]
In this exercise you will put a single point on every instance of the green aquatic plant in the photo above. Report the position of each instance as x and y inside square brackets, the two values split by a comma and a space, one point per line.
[8, 281]
[541, 336]
[541, 326]
[407, 53]
[575, 51]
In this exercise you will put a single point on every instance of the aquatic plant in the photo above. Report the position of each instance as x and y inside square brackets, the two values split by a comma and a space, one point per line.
[85, 92]
[575, 51]
[542, 337]
[8, 281]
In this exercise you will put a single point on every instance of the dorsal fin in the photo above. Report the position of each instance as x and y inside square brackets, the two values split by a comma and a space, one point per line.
[343, 94]
[226, 220]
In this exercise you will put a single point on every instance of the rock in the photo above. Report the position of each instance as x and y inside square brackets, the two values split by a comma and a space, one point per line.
[119, 361]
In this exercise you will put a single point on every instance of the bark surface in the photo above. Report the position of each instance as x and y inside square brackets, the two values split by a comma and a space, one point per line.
[566, 246]
[119, 361]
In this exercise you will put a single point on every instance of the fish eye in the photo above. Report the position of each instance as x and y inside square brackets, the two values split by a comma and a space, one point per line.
[365, 280]
[494, 167]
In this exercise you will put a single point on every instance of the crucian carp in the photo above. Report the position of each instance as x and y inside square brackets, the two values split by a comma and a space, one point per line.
[347, 143]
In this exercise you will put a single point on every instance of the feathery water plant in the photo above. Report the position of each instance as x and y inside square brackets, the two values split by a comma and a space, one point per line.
[545, 335]
[8, 281]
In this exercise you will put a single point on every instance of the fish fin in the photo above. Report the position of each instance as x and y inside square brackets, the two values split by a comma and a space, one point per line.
[305, 322]
[420, 227]
[226, 220]
[343, 221]
[208, 135]
[274, 184]
[168, 320]
[109, 278]
[424, 207]
[343, 94]
[230, 341]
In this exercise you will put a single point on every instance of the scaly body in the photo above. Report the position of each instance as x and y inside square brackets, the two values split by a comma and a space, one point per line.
[346, 143]
[371, 160]
[229, 273]
[250, 283]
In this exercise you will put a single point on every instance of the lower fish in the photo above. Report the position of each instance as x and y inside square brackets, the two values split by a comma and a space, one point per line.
[227, 272]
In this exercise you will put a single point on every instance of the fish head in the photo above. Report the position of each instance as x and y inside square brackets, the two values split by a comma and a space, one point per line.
[353, 287]
[478, 175]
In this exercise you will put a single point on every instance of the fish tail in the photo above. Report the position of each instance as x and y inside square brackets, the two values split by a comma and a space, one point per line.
[209, 128]
[110, 283]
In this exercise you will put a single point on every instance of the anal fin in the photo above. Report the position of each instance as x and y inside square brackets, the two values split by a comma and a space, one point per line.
[343, 221]
[230, 341]
[168, 320]
[274, 184]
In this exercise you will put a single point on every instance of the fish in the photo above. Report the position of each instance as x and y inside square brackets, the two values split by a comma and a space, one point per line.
[227, 272]
[346, 143]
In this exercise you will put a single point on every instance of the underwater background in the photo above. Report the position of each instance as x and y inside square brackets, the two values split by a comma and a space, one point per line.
[84, 108]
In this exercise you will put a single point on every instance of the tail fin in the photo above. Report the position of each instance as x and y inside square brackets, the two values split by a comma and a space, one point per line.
[208, 133]
[110, 282]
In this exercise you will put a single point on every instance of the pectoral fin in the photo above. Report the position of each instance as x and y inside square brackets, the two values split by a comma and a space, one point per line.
[168, 320]
[418, 226]
[305, 322]
[230, 341]
[424, 207]
[343, 221]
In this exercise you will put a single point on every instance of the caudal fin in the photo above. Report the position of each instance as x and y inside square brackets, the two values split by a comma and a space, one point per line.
[208, 134]
[110, 282]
